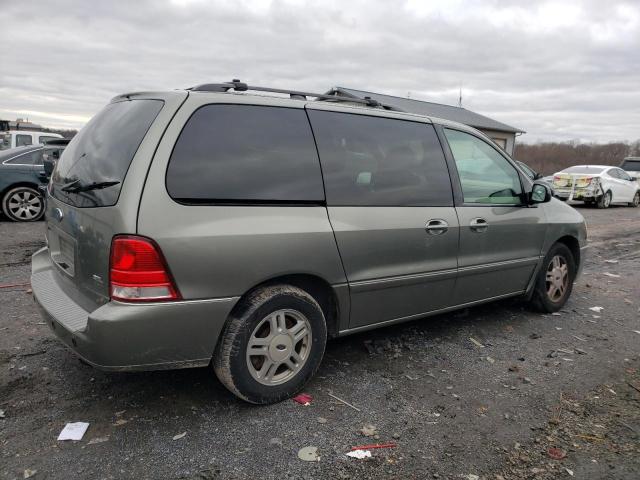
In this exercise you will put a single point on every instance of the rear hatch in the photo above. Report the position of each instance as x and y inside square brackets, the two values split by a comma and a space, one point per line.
[95, 190]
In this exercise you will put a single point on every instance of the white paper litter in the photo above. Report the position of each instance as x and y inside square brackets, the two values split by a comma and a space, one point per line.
[612, 275]
[73, 431]
[596, 309]
[359, 454]
[179, 436]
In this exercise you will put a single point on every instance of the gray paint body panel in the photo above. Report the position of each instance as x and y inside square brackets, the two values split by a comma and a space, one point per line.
[394, 267]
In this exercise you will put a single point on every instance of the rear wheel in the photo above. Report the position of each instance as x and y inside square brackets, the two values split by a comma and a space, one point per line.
[555, 279]
[636, 200]
[23, 204]
[605, 200]
[272, 344]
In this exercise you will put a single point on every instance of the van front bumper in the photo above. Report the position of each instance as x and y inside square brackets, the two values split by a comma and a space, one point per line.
[126, 336]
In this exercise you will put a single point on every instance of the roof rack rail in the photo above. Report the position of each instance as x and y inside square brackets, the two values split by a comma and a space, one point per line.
[239, 86]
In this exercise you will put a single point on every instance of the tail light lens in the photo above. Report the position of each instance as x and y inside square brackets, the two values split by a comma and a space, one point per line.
[138, 271]
[583, 181]
[560, 181]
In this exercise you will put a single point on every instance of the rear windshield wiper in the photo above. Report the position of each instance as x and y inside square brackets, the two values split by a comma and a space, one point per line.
[76, 186]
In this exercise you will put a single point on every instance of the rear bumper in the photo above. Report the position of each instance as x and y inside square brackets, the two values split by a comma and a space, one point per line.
[578, 194]
[122, 336]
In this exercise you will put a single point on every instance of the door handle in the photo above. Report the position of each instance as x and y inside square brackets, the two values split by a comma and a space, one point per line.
[436, 227]
[479, 225]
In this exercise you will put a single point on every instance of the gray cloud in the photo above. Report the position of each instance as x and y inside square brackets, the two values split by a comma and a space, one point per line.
[564, 70]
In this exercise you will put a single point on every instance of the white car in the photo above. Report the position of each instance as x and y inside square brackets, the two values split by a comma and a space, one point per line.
[21, 138]
[601, 185]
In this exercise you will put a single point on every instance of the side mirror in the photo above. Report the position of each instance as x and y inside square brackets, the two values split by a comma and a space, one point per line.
[634, 179]
[540, 193]
[537, 176]
[49, 165]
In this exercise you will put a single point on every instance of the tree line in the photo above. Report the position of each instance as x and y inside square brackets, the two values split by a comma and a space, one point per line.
[550, 157]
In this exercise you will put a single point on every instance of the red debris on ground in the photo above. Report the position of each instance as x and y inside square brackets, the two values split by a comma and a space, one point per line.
[556, 453]
[303, 399]
[375, 445]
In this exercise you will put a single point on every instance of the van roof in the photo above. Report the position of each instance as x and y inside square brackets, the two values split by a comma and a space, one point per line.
[329, 102]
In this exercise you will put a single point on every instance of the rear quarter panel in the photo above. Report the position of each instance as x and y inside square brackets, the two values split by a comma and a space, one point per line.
[224, 251]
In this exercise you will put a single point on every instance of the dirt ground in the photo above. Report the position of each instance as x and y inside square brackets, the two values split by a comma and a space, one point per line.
[543, 397]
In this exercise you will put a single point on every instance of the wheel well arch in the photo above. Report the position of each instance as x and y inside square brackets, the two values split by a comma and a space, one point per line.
[315, 286]
[18, 184]
[573, 245]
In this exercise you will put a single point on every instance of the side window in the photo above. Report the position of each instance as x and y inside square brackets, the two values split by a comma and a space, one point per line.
[228, 153]
[374, 161]
[22, 140]
[623, 175]
[29, 158]
[485, 175]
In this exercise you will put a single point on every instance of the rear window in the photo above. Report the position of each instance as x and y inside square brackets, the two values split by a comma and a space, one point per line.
[631, 165]
[102, 152]
[374, 161]
[245, 154]
[583, 169]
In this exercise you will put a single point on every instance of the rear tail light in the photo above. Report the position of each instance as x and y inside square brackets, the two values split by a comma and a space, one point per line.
[138, 271]
[560, 181]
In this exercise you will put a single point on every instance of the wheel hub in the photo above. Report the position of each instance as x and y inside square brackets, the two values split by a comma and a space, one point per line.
[280, 348]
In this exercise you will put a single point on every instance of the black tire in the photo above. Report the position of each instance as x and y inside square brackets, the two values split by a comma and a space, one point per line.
[230, 360]
[605, 200]
[33, 208]
[541, 298]
[636, 200]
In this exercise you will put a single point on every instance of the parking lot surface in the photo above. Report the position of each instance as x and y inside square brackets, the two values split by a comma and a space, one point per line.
[489, 392]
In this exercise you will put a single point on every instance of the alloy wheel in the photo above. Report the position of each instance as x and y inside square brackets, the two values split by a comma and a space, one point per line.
[279, 347]
[24, 205]
[557, 279]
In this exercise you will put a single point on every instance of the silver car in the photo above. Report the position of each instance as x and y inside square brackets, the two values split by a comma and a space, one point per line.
[214, 226]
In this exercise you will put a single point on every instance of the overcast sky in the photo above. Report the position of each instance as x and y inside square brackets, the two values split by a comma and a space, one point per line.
[559, 70]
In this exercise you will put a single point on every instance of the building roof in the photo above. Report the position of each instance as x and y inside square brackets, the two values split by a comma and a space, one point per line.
[430, 109]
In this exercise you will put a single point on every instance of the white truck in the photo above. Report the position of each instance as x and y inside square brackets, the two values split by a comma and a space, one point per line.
[20, 138]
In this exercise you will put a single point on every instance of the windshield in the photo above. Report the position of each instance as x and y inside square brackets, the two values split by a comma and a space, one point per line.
[631, 165]
[101, 153]
[583, 169]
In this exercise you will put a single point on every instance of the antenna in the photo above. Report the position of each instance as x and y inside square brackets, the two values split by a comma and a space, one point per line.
[460, 98]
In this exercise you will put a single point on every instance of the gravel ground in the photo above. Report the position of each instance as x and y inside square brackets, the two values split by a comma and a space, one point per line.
[545, 396]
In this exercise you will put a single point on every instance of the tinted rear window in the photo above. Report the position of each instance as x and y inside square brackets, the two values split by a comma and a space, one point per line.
[374, 161]
[631, 165]
[583, 169]
[245, 153]
[102, 152]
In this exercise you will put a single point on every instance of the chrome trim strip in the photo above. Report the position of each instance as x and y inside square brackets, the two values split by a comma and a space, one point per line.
[437, 275]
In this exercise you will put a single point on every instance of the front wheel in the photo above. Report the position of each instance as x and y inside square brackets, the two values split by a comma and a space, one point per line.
[555, 279]
[23, 204]
[636, 200]
[272, 344]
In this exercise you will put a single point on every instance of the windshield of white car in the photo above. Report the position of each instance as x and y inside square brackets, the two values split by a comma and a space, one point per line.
[583, 169]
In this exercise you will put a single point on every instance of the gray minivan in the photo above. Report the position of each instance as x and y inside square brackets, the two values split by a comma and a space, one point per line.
[219, 226]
